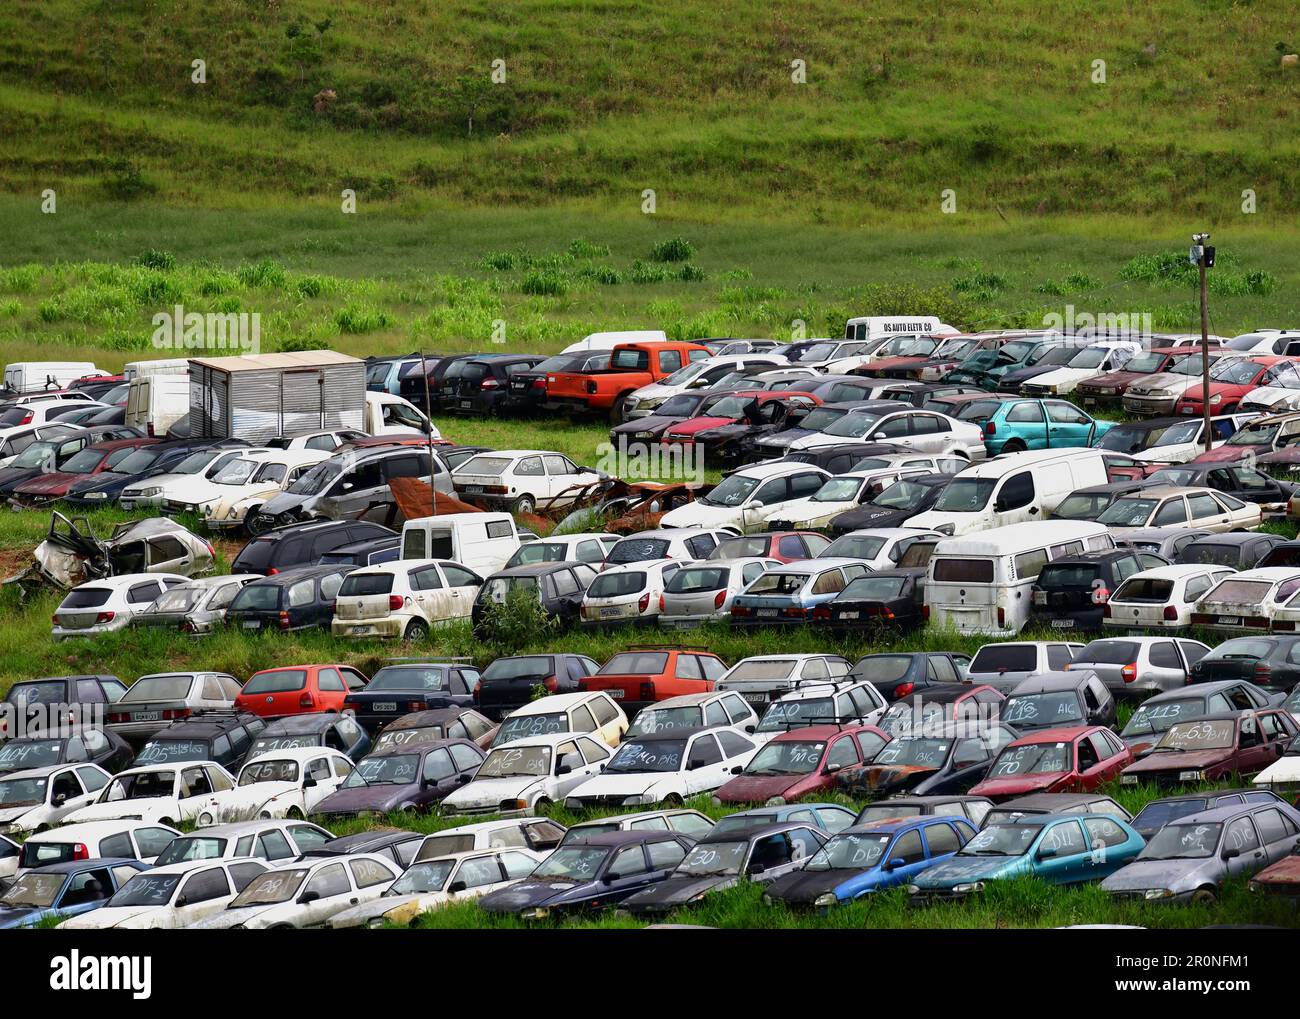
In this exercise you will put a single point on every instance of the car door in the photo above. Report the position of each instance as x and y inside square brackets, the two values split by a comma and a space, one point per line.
[66, 793]
[1242, 847]
[704, 765]
[201, 894]
[1067, 425]
[567, 754]
[906, 858]
[1060, 854]
[1253, 753]
[461, 587]
[438, 777]
[431, 594]
[1027, 421]
[327, 891]
[1206, 512]
[324, 782]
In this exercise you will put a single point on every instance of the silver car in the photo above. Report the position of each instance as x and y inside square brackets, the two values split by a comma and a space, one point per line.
[704, 591]
[197, 607]
[1188, 860]
[154, 702]
[1007, 664]
[1164, 541]
[1141, 665]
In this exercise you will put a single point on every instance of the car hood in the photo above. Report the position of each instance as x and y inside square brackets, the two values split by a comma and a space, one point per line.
[247, 797]
[757, 788]
[197, 488]
[857, 519]
[694, 514]
[404, 908]
[223, 919]
[882, 779]
[649, 423]
[284, 502]
[1114, 379]
[1176, 875]
[959, 869]
[9, 814]
[106, 916]
[1177, 760]
[619, 785]
[805, 886]
[366, 797]
[1221, 453]
[488, 792]
[57, 481]
[13, 916]
[1285, 872]
[1059, 375]
[676, 891]
[526, 893]
[1019, 785]
[159, 480]
[692, 425]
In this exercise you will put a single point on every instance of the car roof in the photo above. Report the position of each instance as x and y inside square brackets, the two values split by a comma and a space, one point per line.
[1045, 682]
[538, 569]
[294, 753]
[208, 723]
[90, 830]
[1240, 538]
[293, 725]
[1045, 801]
[1176, 571]
[624, 838]
[1193, 689]
[757, 831]
[556, 702]
[1218, 815]
[774, 468]
[77, 866]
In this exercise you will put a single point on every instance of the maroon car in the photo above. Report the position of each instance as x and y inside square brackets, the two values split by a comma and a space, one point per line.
[414, 778]
[1215, 747]
[802, 762]
[785, 546]
[1109, 389]
[103, 456]
[1078, 759]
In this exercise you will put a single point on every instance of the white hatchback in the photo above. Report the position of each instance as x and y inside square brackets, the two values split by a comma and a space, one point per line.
[405, 598]
[171, 897]
[627, 594]
[163, 793]
[288, 782]
[103, 606]
[1161, 598]
[745, 499]
[521, 480]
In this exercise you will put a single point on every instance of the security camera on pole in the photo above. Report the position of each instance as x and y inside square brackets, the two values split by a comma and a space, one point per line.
[1202, 256]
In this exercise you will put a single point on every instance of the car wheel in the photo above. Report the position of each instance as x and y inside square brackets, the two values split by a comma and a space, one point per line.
[258, 523]
[524, 504]
[416, 629]
[1013, 446]
[672, 800]
[541, 806]
[1204, 896]
[618, 411]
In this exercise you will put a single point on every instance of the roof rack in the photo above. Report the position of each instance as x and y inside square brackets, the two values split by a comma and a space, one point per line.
[666, 647]
[840, 722]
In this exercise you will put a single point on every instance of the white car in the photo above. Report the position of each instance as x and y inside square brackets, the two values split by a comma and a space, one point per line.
[327, 440]
[305, 894]
[107, 605]
[521, 480]
[281, 783]
[1266, 341]
[129, 840]
[242, 484]
[1247, 602]
[40, 798]
[1183, 440]
[156, 490]
[697, 375]
[556, 548]
[9, 853]
[1172, 506]
[528, 775]
[845, 492]
[844, 703]
[405, 598]
[763, 678]
[680, 543]
[1161, 598]
[627, 594]
[539, 834]
[171, 897]
[264, 839]
[163, 793]
[593, 712]
[693, 711]
[740, 499]
[922, 431]
[703, 591]
[666, 766]
[879, 547]
[431, 884]
[1093, 360]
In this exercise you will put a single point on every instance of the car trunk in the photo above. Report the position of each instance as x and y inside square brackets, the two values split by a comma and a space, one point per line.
[366, 597]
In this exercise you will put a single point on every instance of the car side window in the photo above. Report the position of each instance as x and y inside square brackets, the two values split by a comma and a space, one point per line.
[117, 845]
[242, 874]
[714, 714]
[843, 753]
[369, 872]
[583, 720]
[437, 766]
[1270, 826]
[143, 594]
[737, 709]
[1025, 413]
[1104, 832]
[627, 862]
[1066, 839]
[152, 841]
[1165, 656]
[1088, 757]
[206, 885]
[329, 680]
[302, 593]
[704, 751]
[1172, 511]
[907, 849]
[665, 855]
[329, 881]
[1057, 656]
[941, 839]
[1240, 835]
[1017, 492]
[464, 758]
[272, 845]
[528, 467]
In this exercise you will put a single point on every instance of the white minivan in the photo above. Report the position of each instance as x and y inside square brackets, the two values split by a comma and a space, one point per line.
[983, 583]
[156, 402]
[1012, 488]
[482, 542]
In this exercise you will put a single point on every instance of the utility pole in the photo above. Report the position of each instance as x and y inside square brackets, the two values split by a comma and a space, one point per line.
[1202, 257]
[428, 407]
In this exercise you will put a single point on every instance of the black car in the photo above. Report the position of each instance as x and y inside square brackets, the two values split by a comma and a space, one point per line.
[1136, 436]
[403, 687]
[312, 729]
[294, 599]
[946, 759]
[31, 701]
[414, 778]
[1241, 550]
[479, 385]
[1051, 700]
[923, 394]
[599, 872]
[897, 674]
[365, 553]
[435, 724]
[1089, 503]
[511, 682]
[74, 744]
[1238, 480]
[720, 859]
[843, 457]
[221, 736]
[398, 844]
[887, 600]
[283, 548]
[1158, 813]
[1071, 591]
[1270, 662]
[157, 458]
[527, 390]
[973, 808]
[768, 444]
[1156, 714]
[560, 586]
[420, 377]
[893, 506]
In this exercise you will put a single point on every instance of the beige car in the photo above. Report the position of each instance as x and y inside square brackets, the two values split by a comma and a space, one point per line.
[1173, 506]
[1157, 394]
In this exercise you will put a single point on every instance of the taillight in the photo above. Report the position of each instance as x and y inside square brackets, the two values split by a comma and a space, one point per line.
[1002, 618]
[489, 384]
[305, 700]
[549, 682]
[821, 612]
[539, 383]
[582, 611]
[118, 716]
[1100, 595]
[990, 428]
[284, 620]
[80, 852]
[272, 572]
[925, 612]
[719, 598]
[476, 695]
[739, 610]
[1105, 611]
[643, 602]
[903, 689]
[795, 613]
[394, 602]
[1170, 613]
[105, 617]
[1129, 673]
[1200, 618]
[415, 705]
[647, 691]
[1263, 670]
[171, 714]
[27, 418]
[661, 602]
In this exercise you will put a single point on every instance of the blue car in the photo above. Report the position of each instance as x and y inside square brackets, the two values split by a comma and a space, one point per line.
[830, 817]
[63, 890]
[869, 857]
[1017, 425]
[1062, 850]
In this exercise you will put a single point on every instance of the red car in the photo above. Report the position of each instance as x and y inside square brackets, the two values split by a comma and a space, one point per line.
[802, 762]
[785, 546]
[103, 456]
[1230, 380]
[1074, 760]
[1109, 388]
[1258, 438]
[914, 352]
[643, 675]
[731, 409]
[1215, 748]
[298, 689]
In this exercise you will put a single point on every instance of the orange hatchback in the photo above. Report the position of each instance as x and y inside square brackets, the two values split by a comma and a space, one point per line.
[294, 689]
[642, 675]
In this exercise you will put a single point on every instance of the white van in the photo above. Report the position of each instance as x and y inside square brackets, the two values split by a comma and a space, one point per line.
[1011, 488]
[608, 341]
[156, 402]
[387, 414]
[868, 326]
[35, 376]
[482, 542]
[161, 366]
[983, 583]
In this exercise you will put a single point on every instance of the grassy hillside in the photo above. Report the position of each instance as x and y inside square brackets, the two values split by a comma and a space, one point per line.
[695, 100]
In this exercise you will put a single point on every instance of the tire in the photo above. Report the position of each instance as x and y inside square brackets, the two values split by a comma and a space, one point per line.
[541, 807]
[672, 801]
[1204, 896]
[257, 523]
[416, 629]
[524, 504]
[617, 411]
[1013, 446]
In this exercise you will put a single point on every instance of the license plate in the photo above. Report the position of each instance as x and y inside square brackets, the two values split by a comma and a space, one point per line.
[1088, 401]
[384, 705]
[1189, 410]
[360, 629]
[1128, 780]
[145, 716]
[766, 613]
[252, 624]
[1230, 620]
[1063, 624]
[473, 489]
[756, 698]
[466, 404]
[850, 615]
[614, 611]
[616, 693]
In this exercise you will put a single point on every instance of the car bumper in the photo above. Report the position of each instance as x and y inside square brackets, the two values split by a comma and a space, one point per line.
[367, 627]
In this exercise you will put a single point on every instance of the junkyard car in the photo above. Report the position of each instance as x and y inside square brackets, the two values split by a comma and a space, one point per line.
[413, 778]
[40, 798]
[524, 776]
[161, 793]
[1215, 747]
[172, 896]
[282, 783]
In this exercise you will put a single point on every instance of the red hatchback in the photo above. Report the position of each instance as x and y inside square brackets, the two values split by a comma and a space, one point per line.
[103, 456]
[298, 689]
[1230, 380]
[1074, 760]
[785, 546]
[802, 762]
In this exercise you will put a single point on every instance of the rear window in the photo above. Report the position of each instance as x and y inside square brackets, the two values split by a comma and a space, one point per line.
[1144, 589]
[612, 585]
[638, 550]
[1210, 554]
[1005, 658]
[257, 597]
[1249, 591]
[644, 662]
[86, 598]
[366, 583]
[1109, 652]
[964, 571]
[278, 681]
[492, 466]
[697, 579]
[741, 548]
[255, 556]
[882, 668]
[1068, 576]
[159, 688]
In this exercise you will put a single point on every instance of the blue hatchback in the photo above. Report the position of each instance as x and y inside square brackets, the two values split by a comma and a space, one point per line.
[63, 890]
[869, 857]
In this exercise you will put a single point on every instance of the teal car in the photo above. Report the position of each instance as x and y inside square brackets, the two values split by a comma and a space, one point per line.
[1060, 849]
[1017, 425]
[985, 368]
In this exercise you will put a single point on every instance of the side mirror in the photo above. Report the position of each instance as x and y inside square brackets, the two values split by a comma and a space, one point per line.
[1231, 853]
[182, 901]
[308, 897]
[456, 886]
[751, 729]
[563, 769]
[60, 799]
[347, 486]
[1047, 852]
[308, 781]
[463, 778]
[757, 868]
[831, 769]
[738, 770]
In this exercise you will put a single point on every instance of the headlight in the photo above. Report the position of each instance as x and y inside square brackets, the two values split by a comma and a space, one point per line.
[96, 495]
[12, 828]
[912, 889]
[513, 805]
[775, 801]
[536, 913]
[572, 803]
[1216, 398]
[146, 493]
[1254, 886]
[946, 529]
[973, 886]
[1159, 893]
[1191, 776]
[828, 899]
[375, 921]
[697, 897]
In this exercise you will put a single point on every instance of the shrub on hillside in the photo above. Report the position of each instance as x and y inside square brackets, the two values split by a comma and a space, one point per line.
[675, 249]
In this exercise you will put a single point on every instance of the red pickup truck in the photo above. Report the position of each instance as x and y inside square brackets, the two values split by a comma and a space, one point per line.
[631, 366]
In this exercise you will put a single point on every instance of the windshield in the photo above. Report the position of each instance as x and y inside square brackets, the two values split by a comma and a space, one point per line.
[576, 863]
[787, 757]
[762, 669]
[270, 888]
[784, 715]
[22, 792]
[1129, 438]
[191, 847]
[34, 455]
[1039, 709]
[33, 890]
[139, 461]
[818, 418]
[681, 406]
[1236, 371]
[408, 678]
[849, 852]
[1089, 357]
[540, 552]
[914, 751]
[965, 495]
[316, 480]
[178, 599]
[1254, 435]
[1128, 512]
[269, 771]
[1205, 734]
[1081, 507]
[526, 726]
[1182, 842]
[1032, 759]
[147, 890]
[714, 859]
[536, 667]
[650, 720]
[902, 495]
[84, 461]
[1159, 813]
[854, 546]
[385, 769]
[422, 878]
[237, 472]
[30, 753]
[516, 761]
[1002, 840]
[1176, 435]
[731, 491]
[1149, 719]
[658, 755]
[839, 490]
[852, 426]
[1005, 658]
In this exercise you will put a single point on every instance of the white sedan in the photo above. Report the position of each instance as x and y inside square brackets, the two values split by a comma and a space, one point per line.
[666, 766]
[288, 782]
[846, 492]
[525, 775]
[40, 798]
[741, 499]
[171, 897]
[521, 480]
[306, 894]
[243, 484]
[161, 793]
[431, 884]
[923, 431]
